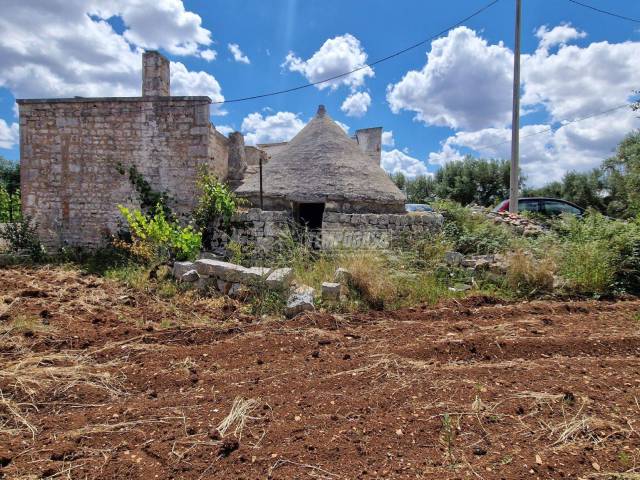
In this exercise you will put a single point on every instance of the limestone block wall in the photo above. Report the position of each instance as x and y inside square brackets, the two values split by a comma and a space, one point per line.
[372, 230]
[76, 153]
[258, 228]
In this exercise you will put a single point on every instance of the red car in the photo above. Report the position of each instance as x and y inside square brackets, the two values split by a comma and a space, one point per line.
[543, 205]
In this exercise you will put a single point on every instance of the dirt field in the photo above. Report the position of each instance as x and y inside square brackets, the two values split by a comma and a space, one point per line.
[101, 382]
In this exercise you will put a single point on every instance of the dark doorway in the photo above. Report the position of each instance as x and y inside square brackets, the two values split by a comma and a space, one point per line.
[310, 215]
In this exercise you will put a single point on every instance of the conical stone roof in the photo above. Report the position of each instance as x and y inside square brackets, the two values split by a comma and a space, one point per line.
[320, 164]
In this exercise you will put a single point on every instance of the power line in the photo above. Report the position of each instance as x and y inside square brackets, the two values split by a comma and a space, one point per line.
[606, 12]
[366, 65]
[550, 129]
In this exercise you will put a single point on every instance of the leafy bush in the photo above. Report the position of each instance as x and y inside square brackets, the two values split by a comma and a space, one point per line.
[154, 238]
[9, 205]
[216, 203]
[22, 236]
[472, 234]
[599, 255]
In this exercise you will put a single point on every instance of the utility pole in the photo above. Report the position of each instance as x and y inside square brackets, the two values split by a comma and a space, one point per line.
[515, 119]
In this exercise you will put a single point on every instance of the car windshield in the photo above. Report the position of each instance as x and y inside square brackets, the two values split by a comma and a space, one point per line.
[417, 207]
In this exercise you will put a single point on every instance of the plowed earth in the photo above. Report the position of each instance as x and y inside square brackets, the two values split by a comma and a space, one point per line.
[97, 383]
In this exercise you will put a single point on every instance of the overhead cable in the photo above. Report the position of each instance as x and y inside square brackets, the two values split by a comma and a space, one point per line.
[366, 65]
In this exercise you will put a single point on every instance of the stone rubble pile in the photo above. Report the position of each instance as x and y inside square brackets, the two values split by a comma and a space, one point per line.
[496, 263]
[519, 223]
[231, 279]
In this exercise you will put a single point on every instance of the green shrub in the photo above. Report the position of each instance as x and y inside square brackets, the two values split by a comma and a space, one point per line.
[154, 238]
[472, 234]
[9, 205]
[599, 255]
[216, 203]
[22, 236]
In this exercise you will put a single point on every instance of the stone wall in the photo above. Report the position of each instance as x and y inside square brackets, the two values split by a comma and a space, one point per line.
[254, 228]
[262, 229]
[76, 155]
[372, 230]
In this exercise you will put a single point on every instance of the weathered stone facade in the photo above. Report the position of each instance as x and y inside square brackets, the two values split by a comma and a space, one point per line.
[372, 230]
[77, 154]
[263, 229]
[255, 227]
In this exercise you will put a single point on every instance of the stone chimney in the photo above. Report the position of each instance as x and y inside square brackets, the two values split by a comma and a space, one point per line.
[237, 160]
[370, 141]
[155, 74]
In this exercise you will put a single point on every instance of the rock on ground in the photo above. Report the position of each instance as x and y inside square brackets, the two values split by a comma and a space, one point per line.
[280, 278]
[300, 300]
[330, 291]
[180, 268]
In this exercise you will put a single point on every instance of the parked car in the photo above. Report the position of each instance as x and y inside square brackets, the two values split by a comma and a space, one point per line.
[417, 208]
[542, 205]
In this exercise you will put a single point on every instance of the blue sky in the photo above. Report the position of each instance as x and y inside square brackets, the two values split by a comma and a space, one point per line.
[456, 103]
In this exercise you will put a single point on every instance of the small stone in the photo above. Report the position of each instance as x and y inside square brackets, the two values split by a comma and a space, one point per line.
[342, 275]
[280, 278]
[331, 291]
[300, 300]
[180, 268]
[479, 451]
[190, 276]
[453, 259]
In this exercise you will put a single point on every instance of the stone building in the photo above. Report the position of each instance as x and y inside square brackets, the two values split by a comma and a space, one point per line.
[82, 157]
[320, 169]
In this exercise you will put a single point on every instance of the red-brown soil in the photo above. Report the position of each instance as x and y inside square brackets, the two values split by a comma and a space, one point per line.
[96, 383]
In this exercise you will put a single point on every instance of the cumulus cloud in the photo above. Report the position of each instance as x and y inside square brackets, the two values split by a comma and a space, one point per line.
[466, 83]
[151, 25]
[279, 127]
[337, 55]
[66, 48]
[546, 154]
[387, 139]
[343, 126]
[209, 54]
[356, 104]
[225, 129]
[558, 35]
[8, 134]
[396, 161]
[238, 56]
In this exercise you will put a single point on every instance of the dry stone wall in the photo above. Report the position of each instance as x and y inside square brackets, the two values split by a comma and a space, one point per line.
[373, 230]
[76, 155]
[256, 228]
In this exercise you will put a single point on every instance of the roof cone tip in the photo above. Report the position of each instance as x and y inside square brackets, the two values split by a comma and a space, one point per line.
[321, 111]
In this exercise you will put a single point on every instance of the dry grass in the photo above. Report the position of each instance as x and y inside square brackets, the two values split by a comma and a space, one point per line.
[529, 276]
[57, 373]
[370, 276]
[240, 412]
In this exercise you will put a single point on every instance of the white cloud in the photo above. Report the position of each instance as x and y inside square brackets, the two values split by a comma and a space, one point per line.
[225, 129]
[152, 25]
[238, 56]
[343, 126]
[209, 54]
[336, 56]
[387, 139]
[356, 104]
[59, 48]
[558, 35]
[575, 82]
[396, 161]
[466, 83]
[545, 157]
[279, 127]
[8, 134]
[185, 82]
